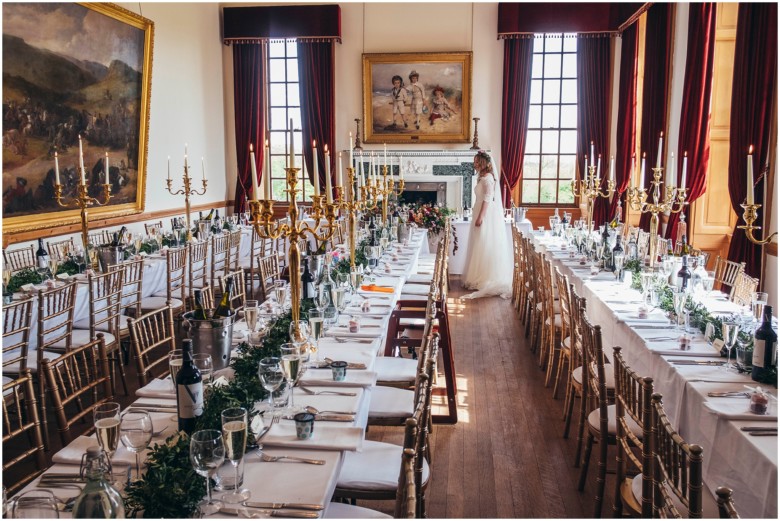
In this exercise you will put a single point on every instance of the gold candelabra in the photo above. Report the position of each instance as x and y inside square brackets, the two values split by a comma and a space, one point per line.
[750, 216]
[267, 228]
[187, 191]
[387, 189]
[352, 202]
[589, 189]
[83, 201]
[673, 202]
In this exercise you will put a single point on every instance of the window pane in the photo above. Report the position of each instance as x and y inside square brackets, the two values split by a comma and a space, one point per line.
[536, 91]
[538, 44]
[276, 70]
[530, 166]
[298, 137]
[567, 167]
[565, 193]
[534, 116]
[550, 142]
[278, 119]
[292, 49]
[552, 92]
[278, 187]
[292, 70]
[547, 192]
[552, 43]
[278, 95]
[552, 66]
[277, 166]
[530, 189]
[569, 69]
[570, 42]
[550, 119]
[293, 95]
[532, 141]
[549, 167]
[536, 66]
[295, 115]
[568, 142]
[569, 91]
[277, 142]
[569, 116]
[276, 49]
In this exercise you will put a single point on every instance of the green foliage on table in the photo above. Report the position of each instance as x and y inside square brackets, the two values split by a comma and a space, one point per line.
[344, 266]
[69, 267]
[635, 268]
[170, 488]
[149, 247]
[22, 277]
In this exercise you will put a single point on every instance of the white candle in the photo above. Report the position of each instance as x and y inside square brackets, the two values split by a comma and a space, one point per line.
[185, 156]
[81, 163]
[672, 176]
[592, 154]
[351, 144]
[385, 154]
[401, 167]
[587, 171]
[375, 169]
[108, 180]
[660, 150]
[56, 169]
[267, 193]
[292, 145]
[169, 168]
[612, 168]
[684, 170]
[642, 172]
[598, 170]
[203, 167]
[328, 186]
[316, 170]
[340, 178]
[253, 167]
[185, 165]
[750, 199]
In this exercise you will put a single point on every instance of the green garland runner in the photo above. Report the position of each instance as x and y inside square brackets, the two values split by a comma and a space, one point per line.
[344, 266]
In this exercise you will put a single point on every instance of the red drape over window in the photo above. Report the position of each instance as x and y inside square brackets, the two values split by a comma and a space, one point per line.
[752, 98]
[695, 112]
[249, 99]
[318, 101]
[658, 42]
[518, 57]
[626, 117]
[593, 60]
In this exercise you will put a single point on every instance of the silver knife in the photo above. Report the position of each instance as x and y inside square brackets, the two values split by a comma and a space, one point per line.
[697, 362]
[301, 514]
[330, 417]
[150, 409]
[759, 429]
[763, 433]
[277, 506]
[154, 405]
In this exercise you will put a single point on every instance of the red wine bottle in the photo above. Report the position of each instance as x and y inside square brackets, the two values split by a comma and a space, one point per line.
[189, 390]
[764, 346]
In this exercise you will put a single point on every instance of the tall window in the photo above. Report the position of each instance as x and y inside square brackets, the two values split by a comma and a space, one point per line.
[551, 144]
[284, 103]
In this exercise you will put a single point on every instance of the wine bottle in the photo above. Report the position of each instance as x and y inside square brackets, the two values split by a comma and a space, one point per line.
[685, 249]
[210, 215]
[371, 229]
[99, 499]
[225, 307]
[42, 256]
[764, 347]
[189, 390]
[199, 313]
[307, 281]
[684, 275]
[617, 250]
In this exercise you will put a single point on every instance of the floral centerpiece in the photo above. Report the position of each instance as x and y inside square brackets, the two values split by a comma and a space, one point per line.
[434, 218]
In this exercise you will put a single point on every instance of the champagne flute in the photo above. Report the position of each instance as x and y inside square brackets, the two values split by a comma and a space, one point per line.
[207, 452]
[291, 366]
[136, 431]
[269, 370]
[730, 330]
[280, 292]
[758, 301]
[53, 265]
[317, 325]
[7, 274]
[251, 314]
[106, 416]
[234, 433]
[175, 361]
[679, 296]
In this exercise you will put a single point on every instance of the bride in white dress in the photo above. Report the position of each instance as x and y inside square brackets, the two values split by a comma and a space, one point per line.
[489, 262]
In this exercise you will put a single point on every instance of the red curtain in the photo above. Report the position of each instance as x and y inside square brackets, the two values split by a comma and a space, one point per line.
[249, 103]
[658, 42]
[318, 101]
[626, 122]
[695, 112]
[593, 80]
[518, 56]
[752, 98]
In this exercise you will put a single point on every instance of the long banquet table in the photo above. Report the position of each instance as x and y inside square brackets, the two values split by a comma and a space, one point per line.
[747, 464]
[293, 482]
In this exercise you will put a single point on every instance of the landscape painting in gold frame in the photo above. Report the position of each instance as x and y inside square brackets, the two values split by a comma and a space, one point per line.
[417, 97]
[73, 70]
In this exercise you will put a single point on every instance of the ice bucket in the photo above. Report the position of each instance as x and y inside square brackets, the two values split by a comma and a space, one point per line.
[212, 336]
[110, 255]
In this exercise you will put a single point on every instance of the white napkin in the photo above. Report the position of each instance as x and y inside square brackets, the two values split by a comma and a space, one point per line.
[330, 402]
[324, 378]
[71, 455]
[355, 353]
[364, 332]
[672, 347]
[157, 388]
[324, 437]
[416, 289]
[739, 409]
[706, 373]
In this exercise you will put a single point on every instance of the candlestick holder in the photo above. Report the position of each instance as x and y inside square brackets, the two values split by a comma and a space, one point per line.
[357, 147]
[351, 203]
[672, 202]
[475, 145]
[267, 227]
[387, 189]
[588, 190]
[750, 215]
[83, 201]
[187, 191]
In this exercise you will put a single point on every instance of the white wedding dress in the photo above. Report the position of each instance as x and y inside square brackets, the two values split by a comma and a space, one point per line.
[489, 262]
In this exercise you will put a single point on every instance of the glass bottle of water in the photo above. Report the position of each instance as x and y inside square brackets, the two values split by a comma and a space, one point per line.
[99, 499]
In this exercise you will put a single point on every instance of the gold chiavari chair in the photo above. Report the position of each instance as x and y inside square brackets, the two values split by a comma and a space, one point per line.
[744, 287]
[574, 376]
[535, 298]
[19, 259]
[643, 243]
[726, 507]
[80, 380]
[220, 261]
[251, 265]
[99, 238]
[632, 416]
[17, 320]
[269, 271]
[132, 293]
[726, 273]
[207, 296]
[564, 359]
[702, 257]
[60, 249]
[198, 269]
[234, 251]
[175, 284]
[152, 338]
[527, 305]
[23, 447]
[238, 295]
[150, 228]
[517, 272]
[551, 325]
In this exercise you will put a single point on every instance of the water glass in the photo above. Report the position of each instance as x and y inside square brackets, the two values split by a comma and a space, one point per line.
[708, 282]
[136, 433]
[205, 365]
[35, 504]
[207, 452]
[234, 433]
[758, 301]
[679, 297]
[269, 370]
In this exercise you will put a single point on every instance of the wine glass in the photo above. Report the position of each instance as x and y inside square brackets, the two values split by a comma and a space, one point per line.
[234, 433]
[291, 366]
[106, 416]
[135, 431]
[730, 330]
[331, 316]
[54, 264]
[618, 261]
[269, 370]
[322, 298]
[205, 365]
[317, 325]
[35, 504]
[207, 452]
[251, 314]
[678, 298]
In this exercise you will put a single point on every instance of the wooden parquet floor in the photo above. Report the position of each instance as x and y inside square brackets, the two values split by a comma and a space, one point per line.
[506, 457]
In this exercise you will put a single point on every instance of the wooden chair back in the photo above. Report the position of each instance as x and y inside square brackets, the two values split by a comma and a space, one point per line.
[269, 271]
[594, 379]
[105, 300]
[577, 306]
[220, 261]
[99, 238]
[198, 267]
[132, 287]
[643, 243]
[61, 249]
[22, 434]
[78, 381]
[19, 259]
[207, 295]
[234, 251]
[726, 272]
[633, 394]
[744, 287]
[726, 508]
[238, 295]
[406, 495]
[17, 321]
[256, 252]
[677, 468]
[150, 228]
[55, 318]
[152, 338]
[564, 297]
[176, 264]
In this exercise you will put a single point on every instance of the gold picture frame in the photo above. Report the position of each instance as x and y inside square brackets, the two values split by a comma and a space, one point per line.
[434, 108]
[90, 78]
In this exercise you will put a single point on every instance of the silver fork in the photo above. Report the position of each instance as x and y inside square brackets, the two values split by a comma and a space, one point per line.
[315, 393]
[265, 430]
[270, 459]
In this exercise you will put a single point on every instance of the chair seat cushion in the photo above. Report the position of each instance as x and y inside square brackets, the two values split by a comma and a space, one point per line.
[391, 402]
[376, 468]
[609, 376]
[709, 504]
[412, 322]
[346, 511]
[593, 422]
[409, 296]
[79, 337]
[154, 303]
[84, 324]
[557, 321]
[395, 369]
[556, 307]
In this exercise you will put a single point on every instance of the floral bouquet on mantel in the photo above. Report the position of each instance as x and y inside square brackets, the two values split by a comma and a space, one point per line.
[434, 218]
